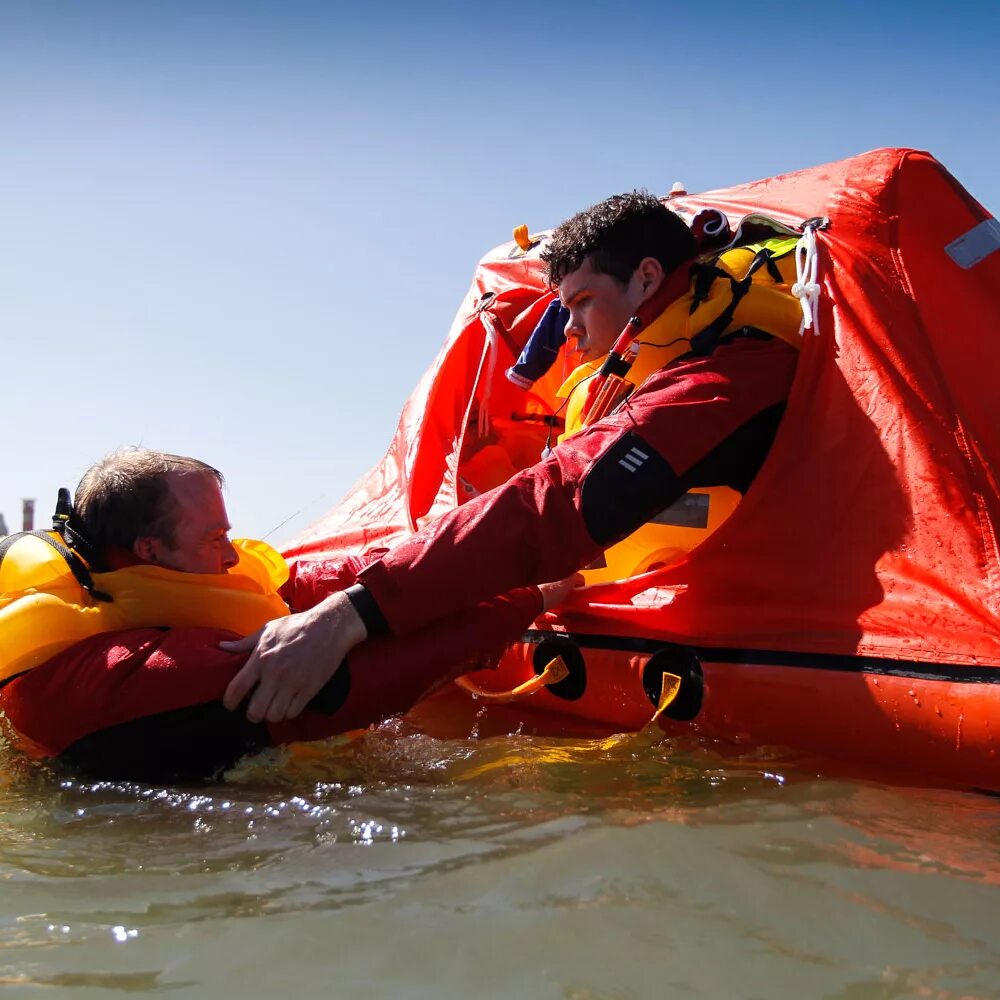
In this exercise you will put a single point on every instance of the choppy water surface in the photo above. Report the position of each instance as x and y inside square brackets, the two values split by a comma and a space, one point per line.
[401, 865]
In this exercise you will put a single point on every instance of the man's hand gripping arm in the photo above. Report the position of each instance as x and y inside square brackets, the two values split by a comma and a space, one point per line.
[292, 658]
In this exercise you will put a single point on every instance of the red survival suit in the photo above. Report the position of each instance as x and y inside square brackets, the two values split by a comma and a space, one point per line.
[700, 421]
[146, 704]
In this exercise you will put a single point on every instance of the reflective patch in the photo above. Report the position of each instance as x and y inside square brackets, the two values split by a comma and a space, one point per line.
[633, 459]
[630, 483]
[689, 511]
[976, 245]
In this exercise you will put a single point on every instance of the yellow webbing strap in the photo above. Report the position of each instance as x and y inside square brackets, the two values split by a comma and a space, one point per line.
[670, 688]
[555, 671]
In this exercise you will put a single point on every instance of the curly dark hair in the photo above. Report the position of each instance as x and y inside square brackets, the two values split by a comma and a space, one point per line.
[615, 235]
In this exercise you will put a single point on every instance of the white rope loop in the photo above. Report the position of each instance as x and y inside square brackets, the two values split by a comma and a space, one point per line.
[806, 288]
[493, 342]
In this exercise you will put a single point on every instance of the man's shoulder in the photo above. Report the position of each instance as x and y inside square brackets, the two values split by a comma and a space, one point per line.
[729, 360]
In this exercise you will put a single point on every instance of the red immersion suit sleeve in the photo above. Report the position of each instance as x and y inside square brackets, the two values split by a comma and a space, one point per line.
[108, 681]
[388, 675]
[540, 525]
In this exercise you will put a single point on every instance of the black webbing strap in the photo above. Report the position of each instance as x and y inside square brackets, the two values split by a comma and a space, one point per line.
[78, 543]
[772, 268]
[704, 277]
[76, 565]
[705, 341]
[66, 526]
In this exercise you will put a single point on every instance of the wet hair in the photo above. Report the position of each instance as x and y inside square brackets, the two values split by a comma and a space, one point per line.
[126, 496]
[615, 235]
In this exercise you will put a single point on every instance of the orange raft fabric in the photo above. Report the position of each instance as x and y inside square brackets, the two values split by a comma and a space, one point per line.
[872, 527]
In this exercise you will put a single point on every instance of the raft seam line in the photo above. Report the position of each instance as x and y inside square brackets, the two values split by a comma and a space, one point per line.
[835, 662]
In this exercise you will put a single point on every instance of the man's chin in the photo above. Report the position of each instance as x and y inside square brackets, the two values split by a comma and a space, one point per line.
[584, 353]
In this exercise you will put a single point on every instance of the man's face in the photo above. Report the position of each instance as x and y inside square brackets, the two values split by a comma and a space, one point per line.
[599, 307]
[202, 533]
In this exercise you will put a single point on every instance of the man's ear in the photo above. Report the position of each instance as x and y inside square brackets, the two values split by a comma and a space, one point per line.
[145, 548]
[650, 273]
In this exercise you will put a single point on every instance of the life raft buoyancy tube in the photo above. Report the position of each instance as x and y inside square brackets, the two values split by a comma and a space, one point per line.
[45, 609]
[748, 286]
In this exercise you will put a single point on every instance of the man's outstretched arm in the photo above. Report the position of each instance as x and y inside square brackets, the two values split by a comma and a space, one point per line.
[290, 658]
[545, 523]
[293, 657]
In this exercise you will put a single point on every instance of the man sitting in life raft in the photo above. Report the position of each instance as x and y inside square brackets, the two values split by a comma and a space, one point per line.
[710, 349]
[110, 628]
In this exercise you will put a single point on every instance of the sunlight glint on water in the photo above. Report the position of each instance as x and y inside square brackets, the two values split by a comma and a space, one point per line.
[403, 865]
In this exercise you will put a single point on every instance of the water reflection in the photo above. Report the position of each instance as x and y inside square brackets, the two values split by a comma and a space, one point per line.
[455, 799]
[103, 881]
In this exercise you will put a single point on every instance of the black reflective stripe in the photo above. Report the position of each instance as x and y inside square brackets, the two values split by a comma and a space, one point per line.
[953, 673]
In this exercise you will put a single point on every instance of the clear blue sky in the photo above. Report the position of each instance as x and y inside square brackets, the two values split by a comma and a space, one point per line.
[241, 230]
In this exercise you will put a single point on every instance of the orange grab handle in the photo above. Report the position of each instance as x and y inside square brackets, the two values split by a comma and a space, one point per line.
[555, 671]
[670, 688]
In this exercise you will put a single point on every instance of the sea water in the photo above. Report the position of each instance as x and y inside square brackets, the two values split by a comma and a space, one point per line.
[399, 865]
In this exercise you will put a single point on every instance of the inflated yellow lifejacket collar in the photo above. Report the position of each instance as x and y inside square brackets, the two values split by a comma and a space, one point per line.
[69, 542]
[704, 276]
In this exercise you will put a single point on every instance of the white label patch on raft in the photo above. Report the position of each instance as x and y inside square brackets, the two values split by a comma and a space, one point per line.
[976, 245]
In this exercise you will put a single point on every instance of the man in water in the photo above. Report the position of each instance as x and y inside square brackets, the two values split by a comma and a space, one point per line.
[140, 506]
[704, 419]
[136, 688]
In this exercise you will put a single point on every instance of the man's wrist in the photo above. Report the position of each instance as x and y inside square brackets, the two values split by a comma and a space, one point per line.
[367, 610]
[335, 619]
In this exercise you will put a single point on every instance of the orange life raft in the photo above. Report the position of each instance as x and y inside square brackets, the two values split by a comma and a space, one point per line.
[850, 605]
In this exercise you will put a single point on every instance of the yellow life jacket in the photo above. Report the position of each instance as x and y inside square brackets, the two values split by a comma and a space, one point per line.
[748, 286]
[768, 271]
[44, 609]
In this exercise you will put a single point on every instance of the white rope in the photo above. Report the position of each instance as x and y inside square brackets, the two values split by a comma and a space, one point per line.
[806, 288]
[493, 340]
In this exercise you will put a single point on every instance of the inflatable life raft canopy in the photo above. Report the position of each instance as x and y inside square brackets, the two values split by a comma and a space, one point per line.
[871, 528]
